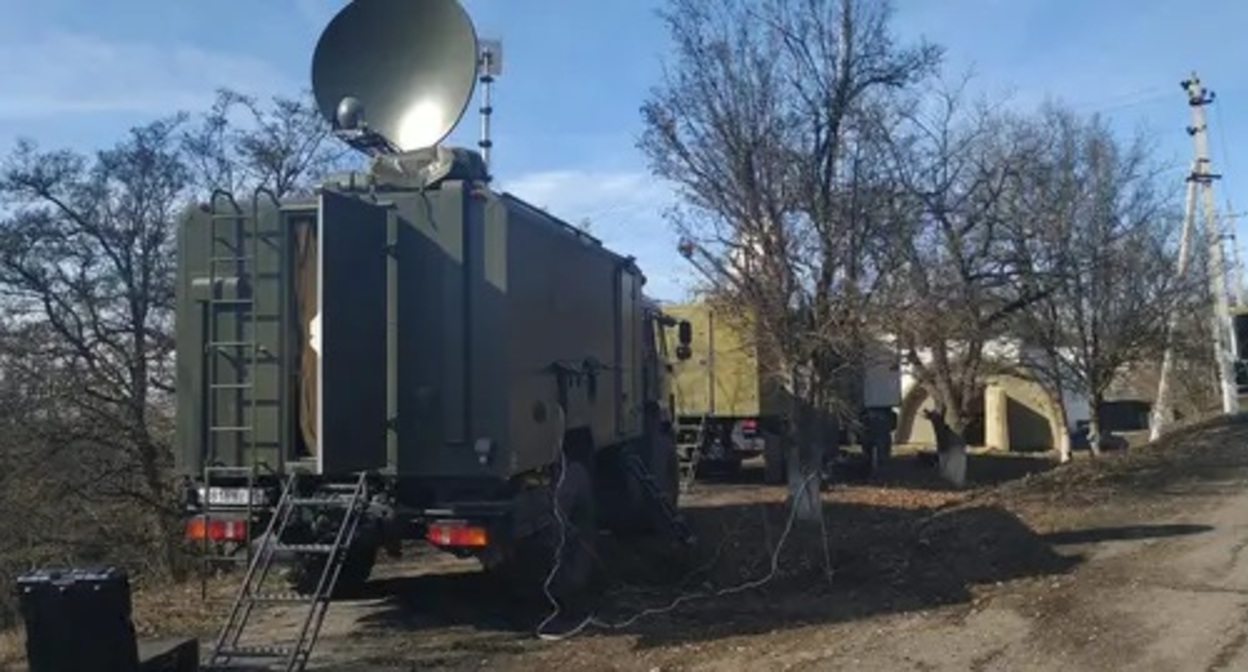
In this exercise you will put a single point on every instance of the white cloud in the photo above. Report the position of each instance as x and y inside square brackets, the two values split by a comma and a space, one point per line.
[625, 211]
[65, 73]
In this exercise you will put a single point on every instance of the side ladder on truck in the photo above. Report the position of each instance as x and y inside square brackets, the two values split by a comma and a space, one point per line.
[671, 517]
[229, 652]
[231, 401]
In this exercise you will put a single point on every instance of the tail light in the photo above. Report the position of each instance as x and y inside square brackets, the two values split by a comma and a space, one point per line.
[456, 533]
[216, 529]
[749, 426]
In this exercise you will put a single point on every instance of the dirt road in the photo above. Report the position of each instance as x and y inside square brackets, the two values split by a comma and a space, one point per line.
[1135, 563]
[1132, 562]
[1167, 594]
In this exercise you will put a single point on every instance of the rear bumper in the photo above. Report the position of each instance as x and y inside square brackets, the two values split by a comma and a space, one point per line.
[426, 515]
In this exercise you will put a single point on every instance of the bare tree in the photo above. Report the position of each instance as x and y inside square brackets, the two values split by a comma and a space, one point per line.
[761, 124]
[963, 172]
[86, 264]
[1110, 243]
[239, 144]
[87, 253]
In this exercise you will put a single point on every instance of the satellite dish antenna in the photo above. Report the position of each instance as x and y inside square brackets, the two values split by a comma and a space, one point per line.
[396, 75]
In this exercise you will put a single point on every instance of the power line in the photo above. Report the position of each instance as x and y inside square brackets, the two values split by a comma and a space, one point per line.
[1124, 101]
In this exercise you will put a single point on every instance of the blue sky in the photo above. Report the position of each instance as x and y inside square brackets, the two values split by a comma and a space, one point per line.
[79, 73]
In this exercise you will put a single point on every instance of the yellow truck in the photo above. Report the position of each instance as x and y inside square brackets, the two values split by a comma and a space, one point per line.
[728, 410]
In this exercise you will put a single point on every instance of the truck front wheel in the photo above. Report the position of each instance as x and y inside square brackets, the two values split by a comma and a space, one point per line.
[574, 572]
[540, 562]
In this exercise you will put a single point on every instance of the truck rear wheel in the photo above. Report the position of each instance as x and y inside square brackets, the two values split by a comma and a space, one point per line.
[357, 566]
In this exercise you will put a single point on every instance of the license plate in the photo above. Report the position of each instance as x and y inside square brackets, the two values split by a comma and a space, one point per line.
[233, 497]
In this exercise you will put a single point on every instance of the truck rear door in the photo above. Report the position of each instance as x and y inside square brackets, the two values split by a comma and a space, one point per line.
[352, 307]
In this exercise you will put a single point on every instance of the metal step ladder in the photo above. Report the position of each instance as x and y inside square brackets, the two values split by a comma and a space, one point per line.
[229, 653]
[694, 449]
[670, 515]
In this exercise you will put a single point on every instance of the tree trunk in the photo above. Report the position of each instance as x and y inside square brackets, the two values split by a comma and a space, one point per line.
[805, 466]
[1094, 425]
[169, 529]
[951, 450]
[167, 526]
[1062, 440]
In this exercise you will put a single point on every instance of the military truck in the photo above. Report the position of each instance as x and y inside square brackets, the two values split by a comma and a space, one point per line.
[474, 350]
[728, 410]
[409, 353]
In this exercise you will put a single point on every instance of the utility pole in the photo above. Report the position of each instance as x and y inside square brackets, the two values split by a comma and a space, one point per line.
[1161, 407]
[1201, 178]
[1198, 97]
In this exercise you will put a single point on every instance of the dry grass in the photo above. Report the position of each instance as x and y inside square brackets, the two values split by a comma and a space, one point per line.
[179, 610]
[12, 648]
[904, 542]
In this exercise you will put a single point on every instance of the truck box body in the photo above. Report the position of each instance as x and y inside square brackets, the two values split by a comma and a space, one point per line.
[496, 313]
[722, 378]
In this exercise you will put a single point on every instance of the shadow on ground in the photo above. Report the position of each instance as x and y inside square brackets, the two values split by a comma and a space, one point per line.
[917, 470]
[883, 560]
[1124, 533]
[907, 470]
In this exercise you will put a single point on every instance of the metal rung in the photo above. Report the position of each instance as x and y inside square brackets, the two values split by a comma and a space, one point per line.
[320, 501]
[257, 652]
[339, 487]
[231, 428]
[230, 386]
[282, 598]
[230, 344]
[305, 548]
[230, 302]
